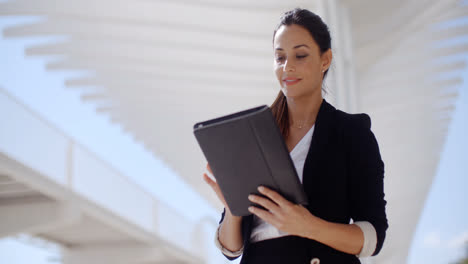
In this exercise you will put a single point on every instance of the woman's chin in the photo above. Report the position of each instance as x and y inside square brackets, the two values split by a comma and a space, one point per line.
[298, 92]
[290, 92]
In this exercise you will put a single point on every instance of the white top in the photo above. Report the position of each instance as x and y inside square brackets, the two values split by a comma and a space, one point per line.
[262, 230]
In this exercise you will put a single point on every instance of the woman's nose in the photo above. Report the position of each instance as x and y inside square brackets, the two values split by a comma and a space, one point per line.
[288, 66]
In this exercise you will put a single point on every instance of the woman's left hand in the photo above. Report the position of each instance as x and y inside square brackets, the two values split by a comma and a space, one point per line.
[291, 218]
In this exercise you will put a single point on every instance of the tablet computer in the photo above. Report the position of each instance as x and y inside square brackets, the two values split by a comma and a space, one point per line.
[246, 150]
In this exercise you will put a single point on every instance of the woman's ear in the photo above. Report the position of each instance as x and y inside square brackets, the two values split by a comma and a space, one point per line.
[326, 59]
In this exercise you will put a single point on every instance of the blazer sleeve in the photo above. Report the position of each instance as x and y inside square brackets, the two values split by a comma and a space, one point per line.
[366, 178]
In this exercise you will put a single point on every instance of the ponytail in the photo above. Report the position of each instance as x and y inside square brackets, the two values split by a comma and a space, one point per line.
[279, 108]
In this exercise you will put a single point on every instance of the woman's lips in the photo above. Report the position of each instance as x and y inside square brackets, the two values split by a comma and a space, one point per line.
[290, 81]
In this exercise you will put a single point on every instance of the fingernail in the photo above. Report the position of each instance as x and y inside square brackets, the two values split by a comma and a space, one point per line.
[251, 197]
[251, 209]
[260, 188]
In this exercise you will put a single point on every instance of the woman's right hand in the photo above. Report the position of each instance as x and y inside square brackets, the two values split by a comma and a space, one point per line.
[214, 185]
[230, 229]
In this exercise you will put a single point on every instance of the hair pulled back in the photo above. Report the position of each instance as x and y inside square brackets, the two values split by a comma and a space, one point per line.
[320, 33]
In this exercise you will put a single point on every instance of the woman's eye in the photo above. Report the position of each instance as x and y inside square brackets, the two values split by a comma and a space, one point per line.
[279, 58]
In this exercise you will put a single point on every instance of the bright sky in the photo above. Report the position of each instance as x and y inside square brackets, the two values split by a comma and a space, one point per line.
[438, 239]
[443, 228]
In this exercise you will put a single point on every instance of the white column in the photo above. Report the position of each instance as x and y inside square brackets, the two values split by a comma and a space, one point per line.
[341, 80]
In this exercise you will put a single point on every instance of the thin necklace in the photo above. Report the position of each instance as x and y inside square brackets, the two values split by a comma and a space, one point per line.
[301, 124]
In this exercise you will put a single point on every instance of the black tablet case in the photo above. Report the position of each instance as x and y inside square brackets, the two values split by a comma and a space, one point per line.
[246, 150]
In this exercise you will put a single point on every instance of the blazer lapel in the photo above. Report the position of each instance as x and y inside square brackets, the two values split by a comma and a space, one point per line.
[319, 142]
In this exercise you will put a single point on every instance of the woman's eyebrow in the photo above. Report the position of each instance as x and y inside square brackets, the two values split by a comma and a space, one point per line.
[298, 46]
[302, 45]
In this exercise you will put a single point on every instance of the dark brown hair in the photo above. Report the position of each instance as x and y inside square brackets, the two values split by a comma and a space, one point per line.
[320, 33]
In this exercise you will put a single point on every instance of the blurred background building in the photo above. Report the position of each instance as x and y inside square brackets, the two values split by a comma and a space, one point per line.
[98, 162]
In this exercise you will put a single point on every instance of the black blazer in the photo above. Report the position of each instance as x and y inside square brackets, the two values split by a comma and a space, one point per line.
[343, 178]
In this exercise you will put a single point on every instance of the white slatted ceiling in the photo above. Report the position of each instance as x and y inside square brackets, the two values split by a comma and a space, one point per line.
[157, 67]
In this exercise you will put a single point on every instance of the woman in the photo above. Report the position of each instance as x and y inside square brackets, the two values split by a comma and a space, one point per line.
[336, 157]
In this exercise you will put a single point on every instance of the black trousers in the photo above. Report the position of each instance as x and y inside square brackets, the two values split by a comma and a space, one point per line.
[294, 250]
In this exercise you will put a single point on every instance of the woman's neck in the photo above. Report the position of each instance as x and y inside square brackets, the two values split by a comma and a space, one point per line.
[304, 110]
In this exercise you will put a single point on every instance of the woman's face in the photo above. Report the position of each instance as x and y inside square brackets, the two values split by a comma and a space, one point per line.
[298, 64]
